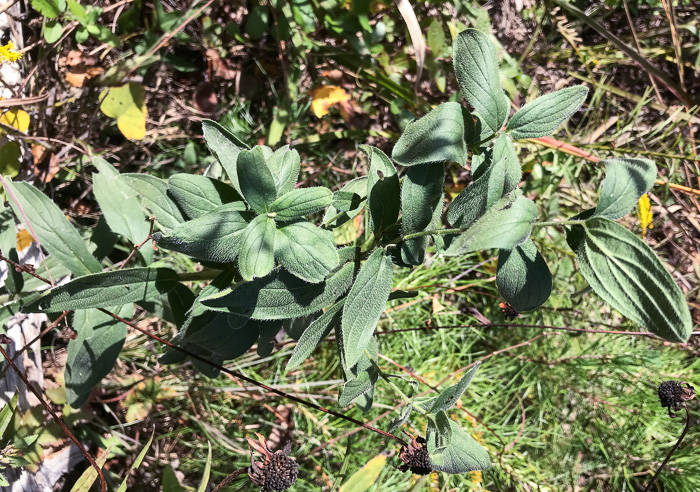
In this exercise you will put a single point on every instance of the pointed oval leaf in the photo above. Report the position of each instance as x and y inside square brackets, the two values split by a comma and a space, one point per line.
[463, 454]
[55, 233]
[476, 67]
[347, 202]
[285, 165]
[541, 117]
[92, 354]
[626, 274]
[225, 146]
[102, 290]
[421, 196]
[364, 478]
[497, 175]
[199, 195]
[522, 277]
[154, 196]
[306, 251]
[365, 304]
[255, 179]
[383, 190]
[354, 388]
[214, 237]
[439, 136]
[450, 395]
[281, 295]
[503, 226]
[315, 333]
[300, 202]
[626, 180]
[257, 248]
[120, 208]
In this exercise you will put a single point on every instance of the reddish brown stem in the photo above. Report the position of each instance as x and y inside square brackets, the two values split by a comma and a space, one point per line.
[6, 339]
[140, 245]
[230, 478]
[253, 381]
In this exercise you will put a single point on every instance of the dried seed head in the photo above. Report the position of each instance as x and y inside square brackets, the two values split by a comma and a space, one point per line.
[509, 311]
[278, 472]
[673, 393]
[415, 457]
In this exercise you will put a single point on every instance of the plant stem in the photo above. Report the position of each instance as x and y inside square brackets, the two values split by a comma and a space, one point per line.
[433, 232]
[206, 274]
[558, 223]
[673, 450]
[230, 478]
[387, 379]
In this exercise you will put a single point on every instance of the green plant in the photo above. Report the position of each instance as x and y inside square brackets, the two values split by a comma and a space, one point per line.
[55, 10]
[272, 264]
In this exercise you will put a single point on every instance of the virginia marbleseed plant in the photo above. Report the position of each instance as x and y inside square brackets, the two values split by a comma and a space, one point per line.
[273, 262]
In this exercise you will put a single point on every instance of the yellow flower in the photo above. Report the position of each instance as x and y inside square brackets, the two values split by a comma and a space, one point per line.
[645, 215]
[8, 53]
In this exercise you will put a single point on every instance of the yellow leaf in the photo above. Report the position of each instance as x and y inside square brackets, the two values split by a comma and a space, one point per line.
[645, 215]
[325, 97]
[16, 118]
[128, 105]
[365, 477]
[24, 239]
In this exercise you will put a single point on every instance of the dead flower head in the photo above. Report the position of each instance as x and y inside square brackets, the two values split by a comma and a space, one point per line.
[415, 457]
[674, 394]
[278, 471]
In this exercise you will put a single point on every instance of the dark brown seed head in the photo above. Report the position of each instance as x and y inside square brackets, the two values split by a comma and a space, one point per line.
[278, 472]
[415, 457]
[672, 393]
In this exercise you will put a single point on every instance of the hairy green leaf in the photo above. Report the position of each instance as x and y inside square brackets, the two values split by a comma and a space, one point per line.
[285, 165]
[121, 209]
[225, 146]
[541, 117]
[463, 454]
[315, 333]
[257, 248]
[421, 195]
[154, 196]
[439, 136]
[215, 236]
[300, 202]
[281, 295]
[91, 356]
[199, 195]
[522, 277]
[496, 176]
[450, 395]
[55, 233]
[626, 180]
[626, 274]
[306, 251]
[365, 304]
[107, 289]
[383, 190]
[347, 202]
[255, 179]
[476, 67]
[503, 226]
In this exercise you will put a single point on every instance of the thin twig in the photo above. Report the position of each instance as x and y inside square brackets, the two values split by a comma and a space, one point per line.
[137, 247]
[38, 337]
[230, 479]
[253, 381]
[673, 450]
[6, 339]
